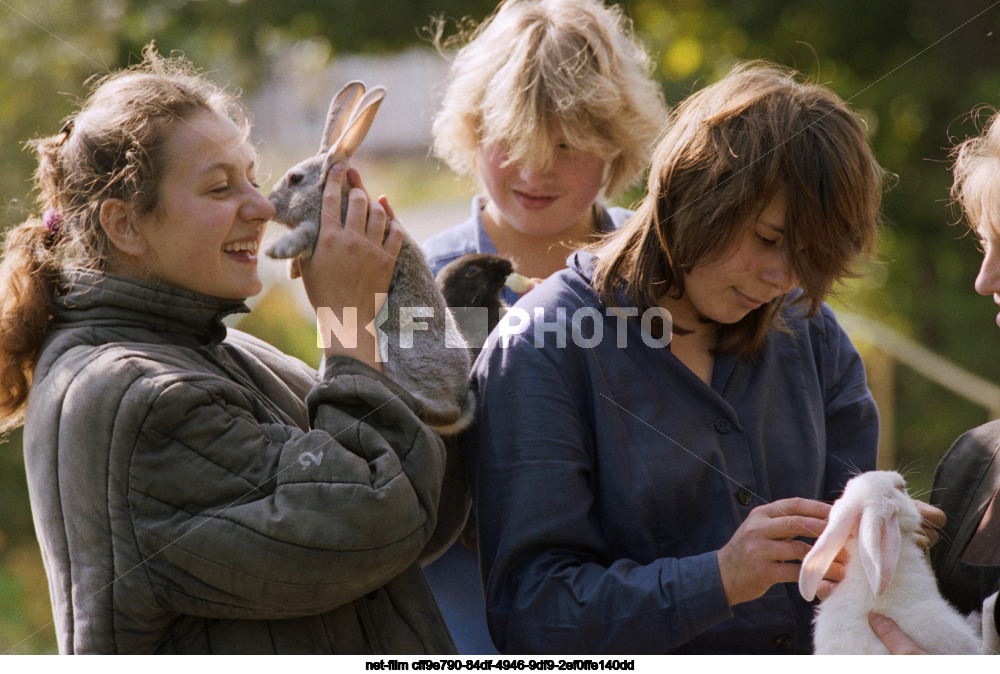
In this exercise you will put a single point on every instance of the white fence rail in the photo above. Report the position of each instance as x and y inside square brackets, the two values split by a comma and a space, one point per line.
[892, 348]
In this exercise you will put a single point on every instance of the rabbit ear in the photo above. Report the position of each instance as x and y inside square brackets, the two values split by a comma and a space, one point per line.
[357, 125]
[843, 521]
[879, 541]
[341, 111]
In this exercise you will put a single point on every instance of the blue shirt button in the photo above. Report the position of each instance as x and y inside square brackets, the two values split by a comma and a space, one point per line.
[723, 425]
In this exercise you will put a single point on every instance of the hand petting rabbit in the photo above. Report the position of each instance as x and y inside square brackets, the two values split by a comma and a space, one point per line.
[423, 351]
[888, 573]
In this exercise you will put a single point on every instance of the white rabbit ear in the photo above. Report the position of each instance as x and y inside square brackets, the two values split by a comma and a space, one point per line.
[879, 540]
[843, 521]
[357, 126]
[341, 111]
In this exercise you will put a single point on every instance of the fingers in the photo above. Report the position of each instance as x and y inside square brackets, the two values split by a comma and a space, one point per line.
[393, 239]
[825, 589]
[832, 578]
[375, 228]
[932, 521]
[798, 506]
[836, 572]
[330, 213]
[792, 517]
[388, 209]
[931, 516]
[365, 219]
[760, 551]
[358, 211]
[359, 219]
[533, 282]
[791, 526]
[894, 639]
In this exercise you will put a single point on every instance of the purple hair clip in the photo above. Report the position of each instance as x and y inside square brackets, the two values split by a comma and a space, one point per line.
[53, 222]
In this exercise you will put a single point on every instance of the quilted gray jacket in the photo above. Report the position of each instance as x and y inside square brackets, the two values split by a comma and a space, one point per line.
[200, 492]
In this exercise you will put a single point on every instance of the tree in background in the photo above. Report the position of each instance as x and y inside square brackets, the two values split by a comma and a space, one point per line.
[914, 69]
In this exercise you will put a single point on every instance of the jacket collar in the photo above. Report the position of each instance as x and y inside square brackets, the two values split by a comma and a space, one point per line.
[87, 298]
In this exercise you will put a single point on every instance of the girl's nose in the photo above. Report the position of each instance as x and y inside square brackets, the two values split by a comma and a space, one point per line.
[257, 207]
[780, 273]
[532, 171]
[988, 280]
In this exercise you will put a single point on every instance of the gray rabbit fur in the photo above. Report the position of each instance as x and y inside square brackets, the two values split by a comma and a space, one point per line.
[435, 368]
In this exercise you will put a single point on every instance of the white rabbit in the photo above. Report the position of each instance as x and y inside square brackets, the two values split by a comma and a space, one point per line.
[887, 572]
[431, 360]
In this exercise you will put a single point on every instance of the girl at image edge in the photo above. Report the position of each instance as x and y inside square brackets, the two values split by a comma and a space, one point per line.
[194, 490]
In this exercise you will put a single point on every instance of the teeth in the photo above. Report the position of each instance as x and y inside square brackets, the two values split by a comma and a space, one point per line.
[241, 246]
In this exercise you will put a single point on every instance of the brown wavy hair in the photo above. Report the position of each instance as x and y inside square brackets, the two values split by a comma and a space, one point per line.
[109, 149]
[731, 147]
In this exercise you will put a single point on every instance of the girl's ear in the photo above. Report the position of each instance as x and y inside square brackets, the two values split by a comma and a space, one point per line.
[117, 222]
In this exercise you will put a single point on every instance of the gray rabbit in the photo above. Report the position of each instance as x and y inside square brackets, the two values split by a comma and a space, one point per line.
[432, 363]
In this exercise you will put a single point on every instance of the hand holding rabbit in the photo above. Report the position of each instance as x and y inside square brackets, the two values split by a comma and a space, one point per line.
[894, 639]
[888, 573]
[418, 343]
[756, 557]
[932, 520]
[352, 264]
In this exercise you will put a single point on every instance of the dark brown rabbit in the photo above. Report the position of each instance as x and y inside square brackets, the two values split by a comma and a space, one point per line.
[421, 346]
[476, 281]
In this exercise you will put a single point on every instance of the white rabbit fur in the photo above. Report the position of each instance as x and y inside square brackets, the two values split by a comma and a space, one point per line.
[434, 365]
[887, 572]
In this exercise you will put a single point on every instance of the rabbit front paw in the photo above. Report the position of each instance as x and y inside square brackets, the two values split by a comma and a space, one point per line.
[297, 243]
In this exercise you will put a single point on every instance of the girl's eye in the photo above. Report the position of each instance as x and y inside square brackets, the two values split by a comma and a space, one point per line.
[220, 190]
[764, 240]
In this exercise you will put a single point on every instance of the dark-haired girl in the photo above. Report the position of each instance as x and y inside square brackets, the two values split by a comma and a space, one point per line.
[662, 423]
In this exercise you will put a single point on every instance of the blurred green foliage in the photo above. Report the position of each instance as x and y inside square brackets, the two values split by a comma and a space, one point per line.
[25, 612]
[914, 69]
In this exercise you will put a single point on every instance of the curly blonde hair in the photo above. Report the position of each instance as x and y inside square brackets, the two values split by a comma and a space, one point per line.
[976, 188]
[109, 149]
[535, 66]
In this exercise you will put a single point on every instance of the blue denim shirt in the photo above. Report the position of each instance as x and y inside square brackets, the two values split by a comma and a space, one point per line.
[607, 478]
[454, 577]
[471, 236]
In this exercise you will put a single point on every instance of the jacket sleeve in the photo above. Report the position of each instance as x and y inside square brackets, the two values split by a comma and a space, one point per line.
[237, 518]
[552, 583]
[453, 506]
[852, 425]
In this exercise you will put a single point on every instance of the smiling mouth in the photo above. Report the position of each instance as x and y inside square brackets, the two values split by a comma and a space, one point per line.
[247, 249]
[750, 301]
[533, 201]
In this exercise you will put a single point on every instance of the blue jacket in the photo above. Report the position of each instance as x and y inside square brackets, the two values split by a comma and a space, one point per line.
[606, 477]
